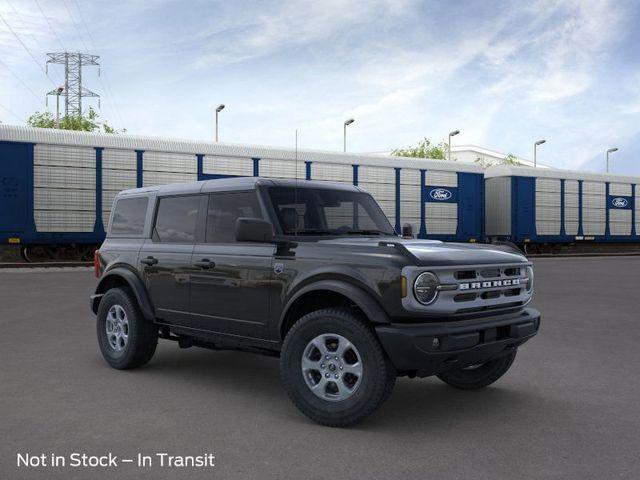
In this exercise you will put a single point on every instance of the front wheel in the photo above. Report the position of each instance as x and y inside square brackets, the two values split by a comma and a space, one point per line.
[334, 369]
[478, 376]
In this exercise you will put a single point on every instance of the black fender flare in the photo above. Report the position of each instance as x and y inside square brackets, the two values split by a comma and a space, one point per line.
[358, 295]
[133, 281]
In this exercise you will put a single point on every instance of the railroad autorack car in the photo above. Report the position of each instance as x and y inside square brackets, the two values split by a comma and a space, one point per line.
[549, 206]
[58, 186]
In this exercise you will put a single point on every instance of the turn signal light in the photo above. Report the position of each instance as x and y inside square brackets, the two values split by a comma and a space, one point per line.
[97, 264]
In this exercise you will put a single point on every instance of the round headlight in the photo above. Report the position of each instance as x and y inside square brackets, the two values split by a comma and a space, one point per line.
[425, 288]
[529, 279]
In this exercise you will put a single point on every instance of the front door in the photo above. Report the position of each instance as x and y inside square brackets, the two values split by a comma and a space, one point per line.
[165, 259]
[230, 291]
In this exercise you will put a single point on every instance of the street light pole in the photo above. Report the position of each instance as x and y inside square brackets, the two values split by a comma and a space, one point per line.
[611, 150]
[535, 152]
[344, 133]
[59, 90]
[219, 108]
[451, 134]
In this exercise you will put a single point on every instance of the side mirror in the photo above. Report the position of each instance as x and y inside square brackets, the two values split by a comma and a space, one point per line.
[253, 230]
[407, 230]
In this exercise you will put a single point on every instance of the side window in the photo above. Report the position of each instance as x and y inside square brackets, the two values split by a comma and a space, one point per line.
[176, 219]
[129, 215]
[225, 209]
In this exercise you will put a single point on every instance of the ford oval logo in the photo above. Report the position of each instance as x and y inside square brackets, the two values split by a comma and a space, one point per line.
[619, 202]
[440, 194]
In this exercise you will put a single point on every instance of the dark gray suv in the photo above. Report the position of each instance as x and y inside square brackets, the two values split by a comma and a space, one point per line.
[312, 272]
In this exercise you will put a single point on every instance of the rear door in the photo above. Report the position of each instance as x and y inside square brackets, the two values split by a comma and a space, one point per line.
[165, 259]
[231, 284]
[13, 187]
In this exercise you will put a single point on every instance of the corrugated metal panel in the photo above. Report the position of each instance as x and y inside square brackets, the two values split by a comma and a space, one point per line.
[333, 172]
[547, 185]
[510, 171]
[441, 179]
[113, 159]
[67, 199]
[571, 220]
[282, 168]
[620, 189]
[619, 221]
[409, 176]
[169, 162]
[497, 202]
[593, 228]
[118, 179]
[217, 165]
[548, 211]
[64, 177]
[162, 178]
[571, 186]
[380, 191]
[571, 228]
[64, 156]
[132, 142]
[64, 221]
[594, 188]
[441, 218]
[384, 175]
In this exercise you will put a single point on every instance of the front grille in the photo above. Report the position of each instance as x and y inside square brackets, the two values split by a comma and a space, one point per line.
[465, 289]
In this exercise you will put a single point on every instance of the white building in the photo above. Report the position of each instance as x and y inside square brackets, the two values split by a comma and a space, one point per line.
[485, 157]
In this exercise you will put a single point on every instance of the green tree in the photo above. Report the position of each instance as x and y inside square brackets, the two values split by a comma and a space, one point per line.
[510, 159]
[86, 123]
[424, 149]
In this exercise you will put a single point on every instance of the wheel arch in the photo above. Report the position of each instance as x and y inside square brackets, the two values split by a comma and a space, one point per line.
[123, 277]
[330, 293]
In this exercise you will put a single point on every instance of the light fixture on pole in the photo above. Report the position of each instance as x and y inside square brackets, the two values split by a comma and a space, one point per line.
[219, 108]
[451, 134]
[535, 152]
[344, 135]
[611, 150]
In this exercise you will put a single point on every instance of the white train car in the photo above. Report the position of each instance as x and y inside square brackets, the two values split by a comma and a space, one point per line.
[58, 185]
[527, 205]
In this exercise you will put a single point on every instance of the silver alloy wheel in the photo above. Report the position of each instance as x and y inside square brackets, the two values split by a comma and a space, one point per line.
[117, 328]
[332, 367]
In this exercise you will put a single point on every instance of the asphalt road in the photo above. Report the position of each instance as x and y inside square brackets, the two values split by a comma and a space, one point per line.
[569, 408]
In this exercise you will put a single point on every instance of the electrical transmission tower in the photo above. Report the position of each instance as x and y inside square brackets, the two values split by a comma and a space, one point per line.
[73, 91]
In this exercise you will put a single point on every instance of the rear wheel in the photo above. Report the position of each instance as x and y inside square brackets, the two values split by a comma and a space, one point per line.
[334, 369]
[126, 338]
[478, 376]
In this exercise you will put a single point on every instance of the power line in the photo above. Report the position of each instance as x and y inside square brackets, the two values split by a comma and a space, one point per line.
[21, 81]
[27, 49]
[75, 26]
[106, 84]
[14, 114]
[50, 26]
[24, 24]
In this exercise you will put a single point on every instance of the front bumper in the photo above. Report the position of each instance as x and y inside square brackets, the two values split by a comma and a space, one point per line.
[430, 348]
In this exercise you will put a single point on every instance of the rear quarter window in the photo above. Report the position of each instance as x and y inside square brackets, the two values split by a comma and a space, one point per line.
[128, 216]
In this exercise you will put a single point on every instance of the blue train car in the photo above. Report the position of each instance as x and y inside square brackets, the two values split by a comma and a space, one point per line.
[58, 186]
[549, 206]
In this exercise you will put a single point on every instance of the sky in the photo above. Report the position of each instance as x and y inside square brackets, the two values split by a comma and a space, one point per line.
[504, 73]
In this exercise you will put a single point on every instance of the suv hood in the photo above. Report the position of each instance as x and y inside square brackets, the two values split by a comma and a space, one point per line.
[435, 252]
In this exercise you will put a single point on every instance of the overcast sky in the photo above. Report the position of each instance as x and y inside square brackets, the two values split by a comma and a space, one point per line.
[504, 73]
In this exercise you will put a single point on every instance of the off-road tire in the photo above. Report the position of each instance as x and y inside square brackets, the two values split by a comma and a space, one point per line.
[378, 376]
[142, 334]
[480, 377]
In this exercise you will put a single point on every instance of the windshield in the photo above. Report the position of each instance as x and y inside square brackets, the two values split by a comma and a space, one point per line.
[318, 211]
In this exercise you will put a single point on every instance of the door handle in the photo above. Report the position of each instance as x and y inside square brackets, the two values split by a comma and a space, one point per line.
[205, 263]
[149, 261]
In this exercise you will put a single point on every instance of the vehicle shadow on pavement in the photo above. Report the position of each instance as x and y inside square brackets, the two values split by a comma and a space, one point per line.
[414, 403]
